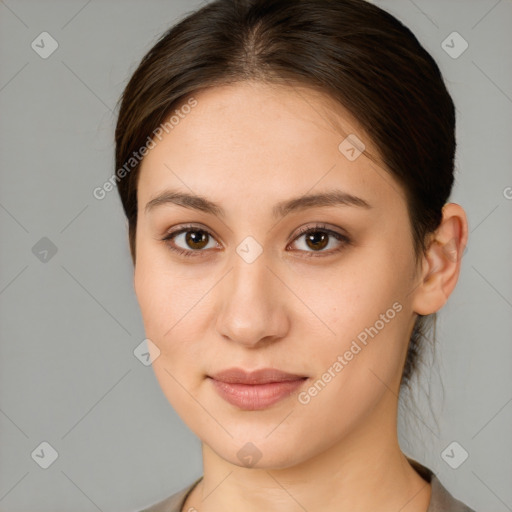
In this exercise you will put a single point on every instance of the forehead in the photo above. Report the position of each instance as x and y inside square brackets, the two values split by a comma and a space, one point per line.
[254, 140]
[293, 113]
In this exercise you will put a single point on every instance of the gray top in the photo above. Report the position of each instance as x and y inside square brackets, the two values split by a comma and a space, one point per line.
[440, 500]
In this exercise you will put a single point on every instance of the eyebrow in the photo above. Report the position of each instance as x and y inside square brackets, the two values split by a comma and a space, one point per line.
[195, 202]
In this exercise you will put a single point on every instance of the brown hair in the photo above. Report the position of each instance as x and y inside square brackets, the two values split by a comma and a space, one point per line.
[357, 53]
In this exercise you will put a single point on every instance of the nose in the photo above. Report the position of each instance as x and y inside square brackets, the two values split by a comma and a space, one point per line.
[252, 299]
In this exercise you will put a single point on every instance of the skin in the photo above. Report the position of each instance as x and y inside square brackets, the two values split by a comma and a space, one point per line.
[247, 147]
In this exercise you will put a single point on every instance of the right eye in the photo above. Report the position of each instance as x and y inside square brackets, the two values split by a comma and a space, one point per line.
[193, 239]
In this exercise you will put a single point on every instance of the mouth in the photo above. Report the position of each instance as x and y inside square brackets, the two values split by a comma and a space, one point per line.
[255, 390]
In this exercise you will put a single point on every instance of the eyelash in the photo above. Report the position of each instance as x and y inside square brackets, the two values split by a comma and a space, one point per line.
[309, 229]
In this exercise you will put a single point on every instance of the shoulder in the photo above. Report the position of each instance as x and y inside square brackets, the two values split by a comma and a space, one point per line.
[173, 503]
[440, 500]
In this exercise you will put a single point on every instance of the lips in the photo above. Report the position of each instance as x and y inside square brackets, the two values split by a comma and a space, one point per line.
[262, 376]
[255, 390]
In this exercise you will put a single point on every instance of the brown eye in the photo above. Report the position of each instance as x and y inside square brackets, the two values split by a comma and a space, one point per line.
[196, 239]
[317, 238]
[189, 241]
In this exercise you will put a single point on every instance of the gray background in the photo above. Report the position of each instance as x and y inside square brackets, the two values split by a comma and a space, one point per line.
[69, 324]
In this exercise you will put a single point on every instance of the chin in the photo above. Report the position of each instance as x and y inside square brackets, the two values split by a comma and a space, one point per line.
[259, 447]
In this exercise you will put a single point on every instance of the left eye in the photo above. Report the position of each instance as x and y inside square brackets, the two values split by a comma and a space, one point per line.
[316, 238]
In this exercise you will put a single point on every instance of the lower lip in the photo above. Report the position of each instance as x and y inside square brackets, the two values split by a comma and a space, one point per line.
[252, 397]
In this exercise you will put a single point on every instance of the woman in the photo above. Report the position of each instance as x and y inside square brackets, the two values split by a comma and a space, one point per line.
[285, 167]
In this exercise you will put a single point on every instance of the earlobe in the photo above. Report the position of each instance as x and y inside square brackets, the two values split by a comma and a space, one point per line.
[442, 262]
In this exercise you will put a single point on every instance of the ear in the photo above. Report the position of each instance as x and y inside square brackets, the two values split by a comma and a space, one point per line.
[441, 264]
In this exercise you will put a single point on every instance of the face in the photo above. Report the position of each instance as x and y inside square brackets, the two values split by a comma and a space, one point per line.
[319, 290]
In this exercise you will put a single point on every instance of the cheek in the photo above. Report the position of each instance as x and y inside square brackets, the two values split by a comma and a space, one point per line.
[350, 297]
[174, 308]
[354, 371]
[168, 313]
[364, 315]
[158, 287]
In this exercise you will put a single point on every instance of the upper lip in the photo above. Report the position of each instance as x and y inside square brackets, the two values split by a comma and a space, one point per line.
[261, 376]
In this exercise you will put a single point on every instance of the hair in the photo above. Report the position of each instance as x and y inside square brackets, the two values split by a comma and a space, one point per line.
[358, 54]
